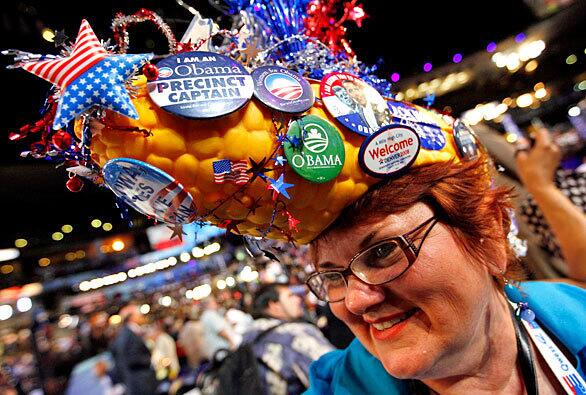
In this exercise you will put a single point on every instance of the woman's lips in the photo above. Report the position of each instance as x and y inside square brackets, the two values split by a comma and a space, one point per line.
[386, 328]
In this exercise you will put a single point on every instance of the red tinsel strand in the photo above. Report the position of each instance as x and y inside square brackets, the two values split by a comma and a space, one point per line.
[121, 22]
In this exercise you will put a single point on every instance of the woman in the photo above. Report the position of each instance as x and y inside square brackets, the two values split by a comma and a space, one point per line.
[416, 269]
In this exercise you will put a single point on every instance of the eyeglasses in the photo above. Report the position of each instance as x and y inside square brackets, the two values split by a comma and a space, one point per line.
[378, 264]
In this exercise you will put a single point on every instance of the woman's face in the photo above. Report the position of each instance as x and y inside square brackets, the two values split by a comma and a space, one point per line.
[441, 299]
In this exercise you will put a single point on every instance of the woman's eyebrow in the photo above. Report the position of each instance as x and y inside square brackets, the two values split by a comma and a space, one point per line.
[328, 266]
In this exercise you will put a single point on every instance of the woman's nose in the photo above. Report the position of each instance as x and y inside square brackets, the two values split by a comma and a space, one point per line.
[360, 296]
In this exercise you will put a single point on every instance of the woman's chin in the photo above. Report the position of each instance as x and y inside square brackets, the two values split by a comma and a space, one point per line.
[404, 367]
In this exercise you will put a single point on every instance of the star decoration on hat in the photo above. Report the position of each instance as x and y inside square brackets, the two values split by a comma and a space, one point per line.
[258, 169]
[429, 99]
[60, 38]
[254, 206]
[177, 230]
[280, 160]
[279, 186]
[89, 76]
[292, 221]
[251, 50]
[295, 141]
[231, 225]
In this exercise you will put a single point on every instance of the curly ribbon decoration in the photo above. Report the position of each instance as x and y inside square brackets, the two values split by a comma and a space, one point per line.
[121, 22]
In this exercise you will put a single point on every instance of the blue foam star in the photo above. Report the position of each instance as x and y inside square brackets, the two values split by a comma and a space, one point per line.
[429, 99]
[280, 160]
[101, 85]
[295, 141]
[280, 186]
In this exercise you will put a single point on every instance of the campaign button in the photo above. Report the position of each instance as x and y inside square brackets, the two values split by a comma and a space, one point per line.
[282, 89]
[431, 134]
[389, 151]
[465, 139]
[200, 85]
[354, 103]
[149, 190]
[320, 156]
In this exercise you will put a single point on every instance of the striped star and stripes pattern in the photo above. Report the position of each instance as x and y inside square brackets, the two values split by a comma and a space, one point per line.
[86, 52]
[227, 171]
[89, 77]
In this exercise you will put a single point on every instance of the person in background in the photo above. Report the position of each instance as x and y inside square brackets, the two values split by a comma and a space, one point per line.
[191, 339]
[217, 332]
[285, 352]
[164, 357]
[536, 167]
[240, 322]
[132, 359]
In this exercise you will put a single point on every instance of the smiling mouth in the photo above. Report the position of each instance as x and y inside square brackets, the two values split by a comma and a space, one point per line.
[381, 326]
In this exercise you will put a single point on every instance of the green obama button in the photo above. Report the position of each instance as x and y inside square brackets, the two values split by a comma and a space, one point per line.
[320, 155]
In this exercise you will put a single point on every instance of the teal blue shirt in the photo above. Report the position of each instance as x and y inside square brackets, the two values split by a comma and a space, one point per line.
[560, 308]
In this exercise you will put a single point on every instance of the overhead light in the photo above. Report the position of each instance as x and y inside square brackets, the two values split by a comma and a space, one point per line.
[230, 281]
[24, 304]
[574, 111]
[427, 67]
[197, 252]
[107, 226]
[184, 257]
[571, 59]
[499, 59]
[57, 236]
[115, 319]
[541, 93]
[48, 34]
[145, 308]
[118, 245]
[513, 62]
[20, 243]
[8, 254]
[7, 269]
[5, 312]
[491, 47]
[525, 100]
[70, 256]
[165, 301]
[395, 77]
[531, 66]
[212, 248]
[202, 291]
[189, 294]
[400, 96]
[44, 262]
[96, 223]
[67, 228]
[221, 284]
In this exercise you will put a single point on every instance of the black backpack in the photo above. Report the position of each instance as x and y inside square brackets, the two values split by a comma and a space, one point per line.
[237, 373]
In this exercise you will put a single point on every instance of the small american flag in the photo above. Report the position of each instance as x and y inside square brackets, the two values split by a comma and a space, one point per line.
[227, 171]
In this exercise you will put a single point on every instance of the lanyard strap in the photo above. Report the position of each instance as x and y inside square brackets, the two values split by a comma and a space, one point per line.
[563, 370]
[525, 357]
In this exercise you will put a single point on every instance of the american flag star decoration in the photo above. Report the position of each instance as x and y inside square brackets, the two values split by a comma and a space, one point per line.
[89, 76]
[227, 171]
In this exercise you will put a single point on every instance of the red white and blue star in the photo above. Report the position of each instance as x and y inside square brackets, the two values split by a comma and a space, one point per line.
[89, 76]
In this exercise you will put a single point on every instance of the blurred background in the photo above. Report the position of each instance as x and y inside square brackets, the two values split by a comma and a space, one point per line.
[69, 261]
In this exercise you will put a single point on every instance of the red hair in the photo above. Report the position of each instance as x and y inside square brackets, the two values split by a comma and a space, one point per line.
[461, 195]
